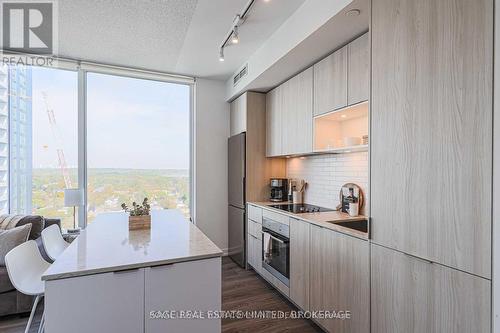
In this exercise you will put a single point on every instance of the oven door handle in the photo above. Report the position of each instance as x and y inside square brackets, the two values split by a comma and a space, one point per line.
[274, 237]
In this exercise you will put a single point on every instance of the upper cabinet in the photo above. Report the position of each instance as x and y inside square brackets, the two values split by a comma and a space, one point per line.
[358, 73]
[431, 133]
[343, 78]
[274, 102]
[330, 82]
[238, 116]
[248, 114]
[298, 111]
[289, 116]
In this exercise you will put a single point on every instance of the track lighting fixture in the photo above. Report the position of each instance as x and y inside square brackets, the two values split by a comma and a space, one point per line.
[233, 34]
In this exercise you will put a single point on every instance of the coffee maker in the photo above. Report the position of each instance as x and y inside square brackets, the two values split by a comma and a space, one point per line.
[279, 189]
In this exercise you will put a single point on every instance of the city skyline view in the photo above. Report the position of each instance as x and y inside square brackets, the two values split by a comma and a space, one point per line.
[137, 142]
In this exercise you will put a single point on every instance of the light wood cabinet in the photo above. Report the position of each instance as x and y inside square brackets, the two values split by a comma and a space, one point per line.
[413, 295]
[330, 82]
[248, 114]
[289, 116]
[274, 125]
[431, 133]
[358, 73]
[339, 279]
[297, 114]
[299, 263]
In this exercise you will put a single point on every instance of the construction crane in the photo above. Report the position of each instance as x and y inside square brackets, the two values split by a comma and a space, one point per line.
[57, 138]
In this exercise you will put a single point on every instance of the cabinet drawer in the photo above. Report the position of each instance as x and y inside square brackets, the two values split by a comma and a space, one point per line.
[267, 214]
[255, 213]
[255, 229]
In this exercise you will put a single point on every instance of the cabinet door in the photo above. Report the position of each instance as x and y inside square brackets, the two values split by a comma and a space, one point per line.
[250, 249]
[339, 279]
[431, 133]
[257, 254]
[297, 114]
[358, 75]
[107, 302]
[273, 122]
[412, 295]
[299, 263]
[330, 82]
[254, 256]
[188, 286]
[238, 115]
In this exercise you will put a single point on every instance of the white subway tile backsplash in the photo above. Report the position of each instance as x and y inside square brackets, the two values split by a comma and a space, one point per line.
[325, 175]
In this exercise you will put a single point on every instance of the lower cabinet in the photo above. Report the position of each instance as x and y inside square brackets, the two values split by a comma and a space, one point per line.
[409, 294]
[188, 286]
[106, 302]
[299, 263]
[339, 279]
[254, 256]
[137, 300]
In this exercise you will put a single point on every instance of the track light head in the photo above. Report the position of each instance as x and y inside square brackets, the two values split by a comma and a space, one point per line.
[235, 38]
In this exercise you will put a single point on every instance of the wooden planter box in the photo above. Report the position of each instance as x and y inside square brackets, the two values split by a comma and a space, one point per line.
[139, 222]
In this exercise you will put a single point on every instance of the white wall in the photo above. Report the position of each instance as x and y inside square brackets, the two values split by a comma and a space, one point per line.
[211, 128]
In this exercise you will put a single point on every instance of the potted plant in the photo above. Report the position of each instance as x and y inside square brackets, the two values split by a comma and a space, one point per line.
[139, 215]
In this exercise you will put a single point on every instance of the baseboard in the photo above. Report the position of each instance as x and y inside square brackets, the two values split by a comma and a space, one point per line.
[225, 252]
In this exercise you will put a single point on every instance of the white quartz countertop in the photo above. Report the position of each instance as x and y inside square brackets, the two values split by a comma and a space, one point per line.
[107, 245]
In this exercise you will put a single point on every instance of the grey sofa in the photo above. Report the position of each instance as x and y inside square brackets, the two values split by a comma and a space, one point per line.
[12, 301]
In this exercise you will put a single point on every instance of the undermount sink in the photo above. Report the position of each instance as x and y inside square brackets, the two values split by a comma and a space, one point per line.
[356, 225]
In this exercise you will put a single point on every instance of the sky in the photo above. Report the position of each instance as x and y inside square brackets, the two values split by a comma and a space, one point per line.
[131, 123]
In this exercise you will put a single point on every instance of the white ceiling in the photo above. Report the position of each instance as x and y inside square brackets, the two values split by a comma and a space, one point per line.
[177, 36]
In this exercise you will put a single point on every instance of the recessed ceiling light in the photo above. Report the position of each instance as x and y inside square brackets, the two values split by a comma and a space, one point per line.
[353, 12]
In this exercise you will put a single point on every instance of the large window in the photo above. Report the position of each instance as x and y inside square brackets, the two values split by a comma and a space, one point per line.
[136, 142]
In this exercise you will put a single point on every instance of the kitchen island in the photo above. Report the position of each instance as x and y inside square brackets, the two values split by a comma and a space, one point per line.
[110, 279]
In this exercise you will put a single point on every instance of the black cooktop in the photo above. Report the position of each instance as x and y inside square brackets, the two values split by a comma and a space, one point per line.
[301, 208]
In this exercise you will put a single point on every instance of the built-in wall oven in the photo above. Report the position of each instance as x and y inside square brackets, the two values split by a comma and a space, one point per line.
[276, 249]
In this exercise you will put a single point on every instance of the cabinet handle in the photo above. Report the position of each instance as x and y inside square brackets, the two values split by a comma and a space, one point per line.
[418, 258]
[126, 271]
[162, 266]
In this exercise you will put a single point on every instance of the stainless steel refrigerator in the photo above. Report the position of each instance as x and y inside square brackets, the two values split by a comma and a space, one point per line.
[236, 198]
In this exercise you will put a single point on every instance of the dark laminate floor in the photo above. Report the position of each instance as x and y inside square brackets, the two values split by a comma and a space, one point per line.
[245, 290]
[17, 324]
[241, 290]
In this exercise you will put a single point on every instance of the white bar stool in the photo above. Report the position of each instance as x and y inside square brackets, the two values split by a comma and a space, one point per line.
[53, 242]
[25, 267]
